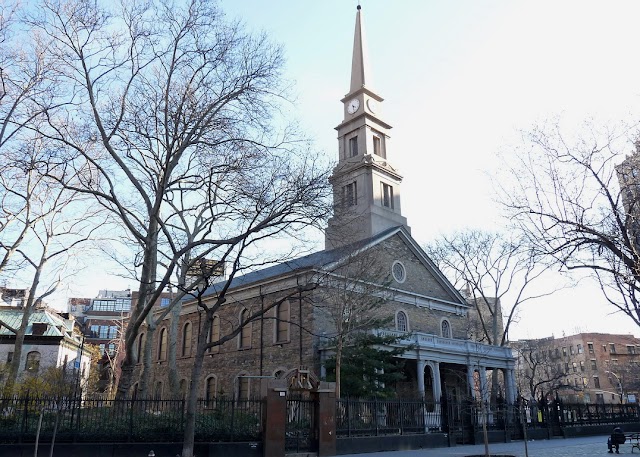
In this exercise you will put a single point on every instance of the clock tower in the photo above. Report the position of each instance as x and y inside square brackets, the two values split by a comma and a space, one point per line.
[366, 187]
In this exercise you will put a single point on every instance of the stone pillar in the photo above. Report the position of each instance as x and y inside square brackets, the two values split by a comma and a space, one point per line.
[421, 364]
[275, 422]
[510, 386]
[471, 381]
[326, 419]
[437, 385]
[484, 388]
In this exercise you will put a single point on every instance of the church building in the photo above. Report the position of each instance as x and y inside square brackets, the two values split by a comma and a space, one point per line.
[369, 254]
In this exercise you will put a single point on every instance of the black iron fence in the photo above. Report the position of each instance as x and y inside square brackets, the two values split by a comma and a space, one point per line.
[132, 420]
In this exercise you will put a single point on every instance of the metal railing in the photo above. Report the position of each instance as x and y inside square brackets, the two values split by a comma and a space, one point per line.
[98, 419]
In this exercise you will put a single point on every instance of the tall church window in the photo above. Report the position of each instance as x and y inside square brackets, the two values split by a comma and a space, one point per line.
[446, 328]
[282, 322]
[187, 336]
[245, 333]
[353, 146]
[350, 194]
[402, 322]
[243, 388]
[387, 195]
[210, 391]
[162, 345]
[140, 348]
[33, 362]
[214, 334]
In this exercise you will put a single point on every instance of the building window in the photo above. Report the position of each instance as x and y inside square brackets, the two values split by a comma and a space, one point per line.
[377, 146]
[604, 348]
[387, 195]
[164, 302]
[402, 322]
[596, 382]
[631, 349]
[245, 332]
[445, 328]
[581, 365]
[572, 350]
[33, 362]
[580, 349]
[600, 399]
[350, 194]
[210, 391]
[564, 352]
[590, 347]
[353, 146]
[566, 367]
[282, 322]
[612, 348]
[243, 388]
[187, 336]
[575, 367]
[162, 345]
[398, 271]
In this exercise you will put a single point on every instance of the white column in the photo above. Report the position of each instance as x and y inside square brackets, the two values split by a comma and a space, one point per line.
[484, 389]
[510, 385]
[421, 364]
[471, 381]
[437, 386]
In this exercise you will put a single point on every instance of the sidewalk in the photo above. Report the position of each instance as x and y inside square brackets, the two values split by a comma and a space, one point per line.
[570, 447]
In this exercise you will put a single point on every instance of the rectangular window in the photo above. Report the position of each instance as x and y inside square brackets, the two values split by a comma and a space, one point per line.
[596, 382]
[104, 331]
[350, 194]
[387, 195]
[575, 367]
[631, 349]
[377, 146]
[564, 352]
[614, 361]
[612, 348]
[581, 365]
[566, 367]
[594, 364]
[604, 348]
[580, 350]
[600, 398]
[353, 146]
[572, 350]
[164, 302]
[590, 347]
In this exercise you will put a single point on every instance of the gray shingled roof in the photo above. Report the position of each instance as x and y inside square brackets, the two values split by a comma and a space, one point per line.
[307, 262]
[56, 325]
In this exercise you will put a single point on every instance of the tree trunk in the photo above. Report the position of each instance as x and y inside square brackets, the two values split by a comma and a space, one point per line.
[196, 372]
[147, 374]
[174, 340]
[338, 365]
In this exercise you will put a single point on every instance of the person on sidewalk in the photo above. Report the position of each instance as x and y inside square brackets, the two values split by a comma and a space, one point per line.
[615, 440]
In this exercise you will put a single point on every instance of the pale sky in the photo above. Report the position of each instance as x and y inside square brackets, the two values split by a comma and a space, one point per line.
[460, 79]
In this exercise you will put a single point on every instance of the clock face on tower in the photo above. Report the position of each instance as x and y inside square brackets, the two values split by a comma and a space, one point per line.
[353, 106]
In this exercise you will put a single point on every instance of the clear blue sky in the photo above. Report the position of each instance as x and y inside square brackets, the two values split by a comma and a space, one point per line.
[460, 80]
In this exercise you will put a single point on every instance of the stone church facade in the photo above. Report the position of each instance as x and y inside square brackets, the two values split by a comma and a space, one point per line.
[369, 253]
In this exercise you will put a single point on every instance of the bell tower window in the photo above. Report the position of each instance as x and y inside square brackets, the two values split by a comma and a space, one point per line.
[353, 146]
[377, 147]
[387, 195]
[350, 194]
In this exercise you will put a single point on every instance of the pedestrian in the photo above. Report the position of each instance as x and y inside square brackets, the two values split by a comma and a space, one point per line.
[615, 440]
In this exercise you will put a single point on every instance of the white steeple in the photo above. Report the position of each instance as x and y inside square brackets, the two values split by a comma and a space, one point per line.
[366, 187]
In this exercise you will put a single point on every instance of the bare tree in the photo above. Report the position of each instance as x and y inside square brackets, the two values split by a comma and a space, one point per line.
[174, 130]
[578, 204]
[498, 273]
[352, 294]
[537, 370]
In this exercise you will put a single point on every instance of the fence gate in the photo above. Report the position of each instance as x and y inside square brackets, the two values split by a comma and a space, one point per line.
[300, 431]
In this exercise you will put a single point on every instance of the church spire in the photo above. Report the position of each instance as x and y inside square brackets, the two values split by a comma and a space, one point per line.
[360, 73]
[366, 186]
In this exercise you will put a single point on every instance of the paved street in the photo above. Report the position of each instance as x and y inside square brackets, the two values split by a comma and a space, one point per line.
[571, 447]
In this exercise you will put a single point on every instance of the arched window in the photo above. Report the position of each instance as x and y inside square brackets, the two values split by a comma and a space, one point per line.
[245, 333]
[242, 393]
[402, 322]
[210, 391]
[162, 345]
[187, 336]
[33, 362]
[446, 329]
[140, 348]
[282, 322]
[214, 334]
